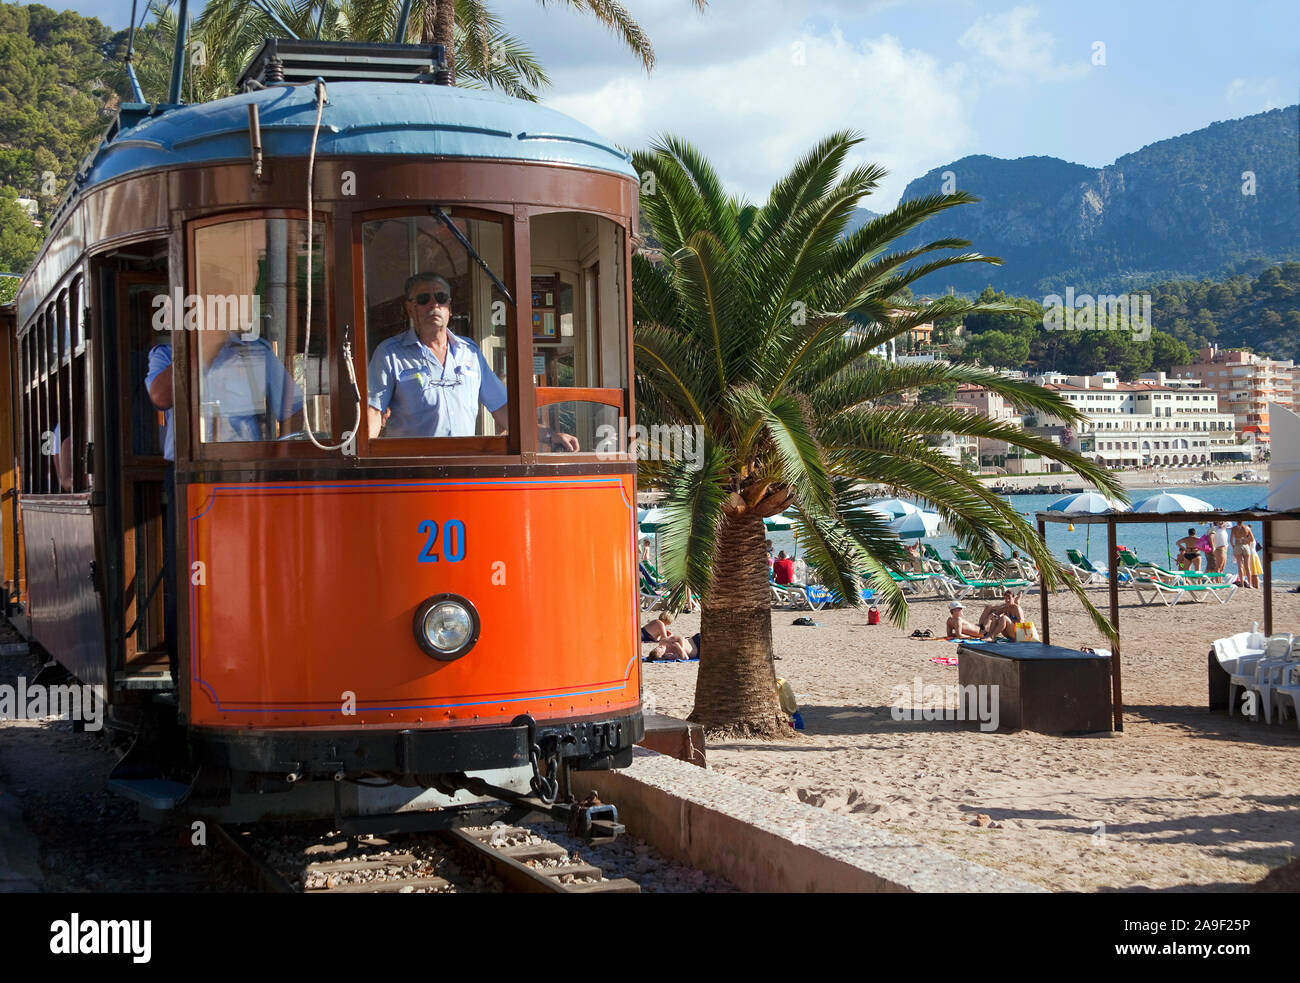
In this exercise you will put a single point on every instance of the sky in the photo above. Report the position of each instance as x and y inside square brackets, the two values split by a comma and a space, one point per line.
[755, 83]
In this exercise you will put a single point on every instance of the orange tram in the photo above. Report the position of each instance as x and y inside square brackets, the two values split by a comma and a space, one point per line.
[372, 620]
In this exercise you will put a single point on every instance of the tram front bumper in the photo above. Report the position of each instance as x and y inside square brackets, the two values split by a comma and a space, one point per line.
[588, 743]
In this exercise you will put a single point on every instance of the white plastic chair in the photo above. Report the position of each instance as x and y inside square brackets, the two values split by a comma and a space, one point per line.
[1270, 670]
[1289, 687]
[1247, 672]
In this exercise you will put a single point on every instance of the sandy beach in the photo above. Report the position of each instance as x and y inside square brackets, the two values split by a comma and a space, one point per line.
[1182, 799]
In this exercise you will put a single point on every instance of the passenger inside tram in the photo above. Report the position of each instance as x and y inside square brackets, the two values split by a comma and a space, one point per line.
[246, 388]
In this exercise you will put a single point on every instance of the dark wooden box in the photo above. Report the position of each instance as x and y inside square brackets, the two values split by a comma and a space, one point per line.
[1045, 688]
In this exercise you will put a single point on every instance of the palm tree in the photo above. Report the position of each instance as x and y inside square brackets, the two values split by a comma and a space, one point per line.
[232, 30]
[432, 19]
[479, 51]
[758, 329]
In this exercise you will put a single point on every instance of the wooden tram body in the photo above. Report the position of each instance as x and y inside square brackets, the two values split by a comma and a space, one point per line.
[302, 686]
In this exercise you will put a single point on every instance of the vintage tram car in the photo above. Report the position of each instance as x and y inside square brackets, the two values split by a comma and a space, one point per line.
[368, 619]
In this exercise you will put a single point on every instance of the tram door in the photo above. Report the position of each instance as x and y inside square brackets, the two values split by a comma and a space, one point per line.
[10, 524]
[143, 469]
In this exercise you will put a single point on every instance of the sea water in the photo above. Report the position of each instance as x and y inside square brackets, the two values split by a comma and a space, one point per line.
[1155, 541]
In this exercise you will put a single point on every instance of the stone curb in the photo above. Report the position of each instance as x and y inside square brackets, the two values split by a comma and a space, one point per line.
[761, 841]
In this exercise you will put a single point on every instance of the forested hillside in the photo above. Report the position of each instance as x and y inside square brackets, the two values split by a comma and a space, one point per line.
[1261, 313]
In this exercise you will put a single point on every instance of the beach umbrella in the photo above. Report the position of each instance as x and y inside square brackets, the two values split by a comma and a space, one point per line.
[780, 522]
[1167, 502]
[652, 519]
[894, 506]
[1085, 503]
[1170, 502]
[917, 525]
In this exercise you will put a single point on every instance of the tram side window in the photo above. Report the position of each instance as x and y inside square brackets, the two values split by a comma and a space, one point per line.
[579, 329]
[45, 394]
[65, 424]
[80, 395]
[256, 383]
[436, 326]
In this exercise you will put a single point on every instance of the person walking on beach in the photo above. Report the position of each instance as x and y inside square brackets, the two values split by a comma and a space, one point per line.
[1219, 546]
[1189, 553]
[1243, 549]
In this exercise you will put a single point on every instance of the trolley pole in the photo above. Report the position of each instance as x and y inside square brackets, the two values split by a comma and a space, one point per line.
[178, 55]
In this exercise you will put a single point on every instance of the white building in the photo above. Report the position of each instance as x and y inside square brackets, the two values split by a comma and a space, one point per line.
[1155, 421]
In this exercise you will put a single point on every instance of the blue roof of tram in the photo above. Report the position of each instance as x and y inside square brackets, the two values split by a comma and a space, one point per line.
[359, 118]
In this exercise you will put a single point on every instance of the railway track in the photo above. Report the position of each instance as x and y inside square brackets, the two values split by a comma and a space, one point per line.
[471, 860]
[529, 863]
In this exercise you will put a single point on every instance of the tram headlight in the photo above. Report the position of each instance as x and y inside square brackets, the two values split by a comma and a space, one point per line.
[446, 626]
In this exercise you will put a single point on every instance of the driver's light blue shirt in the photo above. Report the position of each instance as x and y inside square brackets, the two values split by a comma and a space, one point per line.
[245, 390]
[160, 357]
[429, 398]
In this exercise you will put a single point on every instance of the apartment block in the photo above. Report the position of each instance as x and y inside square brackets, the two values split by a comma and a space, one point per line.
[989, 404]
[1245, 383]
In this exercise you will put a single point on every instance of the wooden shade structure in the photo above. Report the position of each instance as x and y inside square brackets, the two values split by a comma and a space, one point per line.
[1113, 519]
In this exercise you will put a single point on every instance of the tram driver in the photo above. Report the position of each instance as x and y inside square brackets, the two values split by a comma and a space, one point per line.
[429, 382]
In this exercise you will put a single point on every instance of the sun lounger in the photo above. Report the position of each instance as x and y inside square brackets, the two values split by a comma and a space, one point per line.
[962, 561]
[993, 585]
[1171, 593]
[1182, 576]
[1082, 569]
[812, 596]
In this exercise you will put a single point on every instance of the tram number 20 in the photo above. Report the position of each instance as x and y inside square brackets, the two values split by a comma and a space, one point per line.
[453, 541]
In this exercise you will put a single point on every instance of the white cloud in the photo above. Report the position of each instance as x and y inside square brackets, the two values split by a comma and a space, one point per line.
[1020, 53]
[1254, 95]
[753, 111]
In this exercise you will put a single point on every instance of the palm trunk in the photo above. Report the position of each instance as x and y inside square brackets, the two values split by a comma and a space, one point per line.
[735, 690]
[444, 33]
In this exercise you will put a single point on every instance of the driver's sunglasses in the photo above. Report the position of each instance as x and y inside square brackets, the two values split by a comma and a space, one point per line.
[440, 296]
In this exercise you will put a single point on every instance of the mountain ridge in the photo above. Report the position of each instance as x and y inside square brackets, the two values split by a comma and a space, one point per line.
[1175, 208]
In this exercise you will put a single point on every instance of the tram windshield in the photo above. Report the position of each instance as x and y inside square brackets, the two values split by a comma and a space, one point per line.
[256, 380]
[436, 325]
